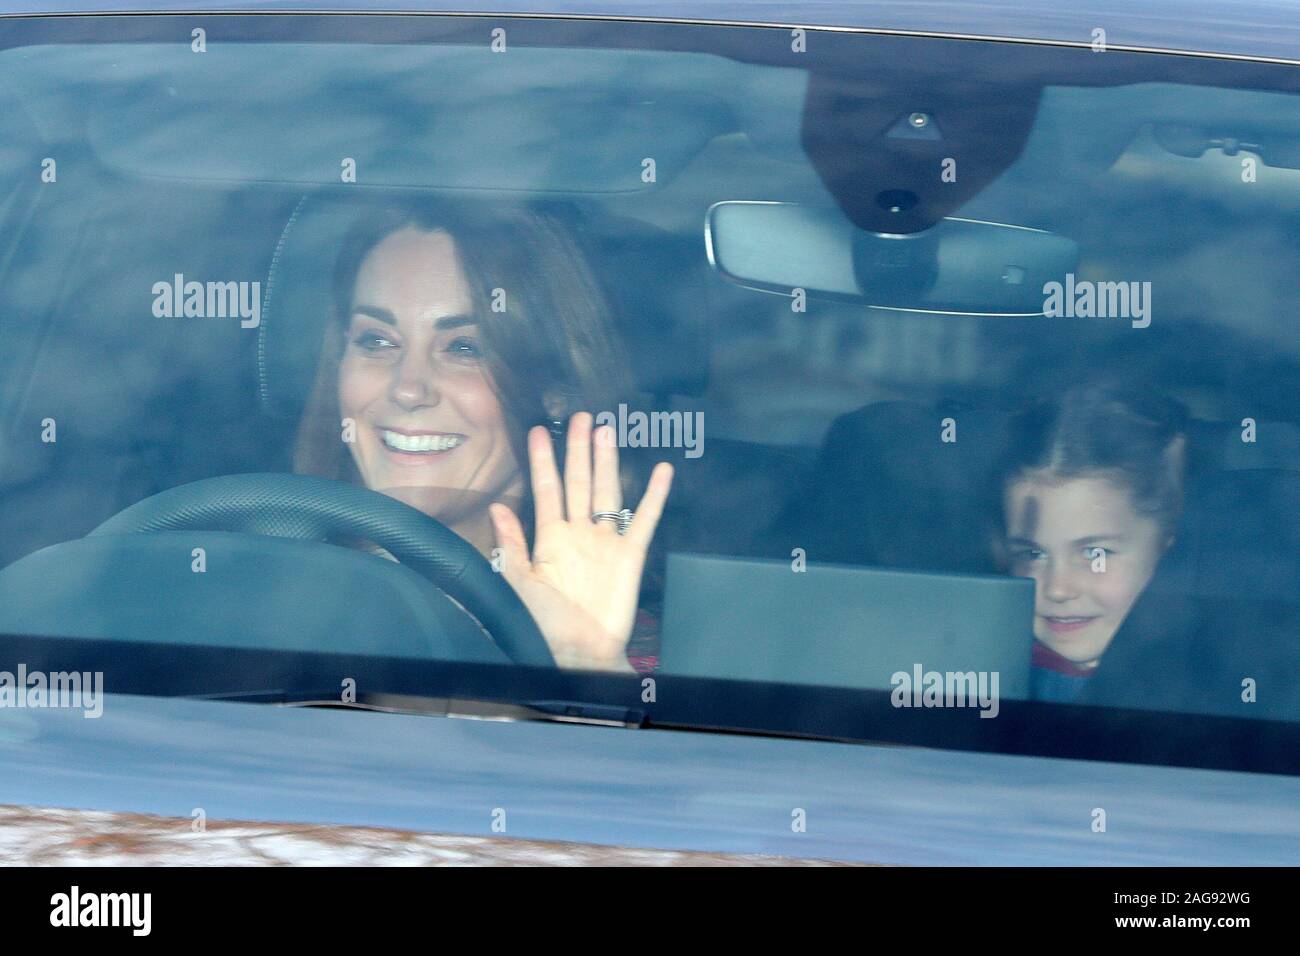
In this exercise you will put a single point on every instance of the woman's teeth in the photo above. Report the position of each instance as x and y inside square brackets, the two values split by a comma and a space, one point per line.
[419, 443]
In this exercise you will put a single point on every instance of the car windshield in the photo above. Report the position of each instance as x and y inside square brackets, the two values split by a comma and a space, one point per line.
[973, 365]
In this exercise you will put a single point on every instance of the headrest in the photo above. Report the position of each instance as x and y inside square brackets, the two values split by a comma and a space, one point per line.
[917, 502]
[1221, 607]
[1243, 534]
[1220, 445]
[652, 280]
[297, 302]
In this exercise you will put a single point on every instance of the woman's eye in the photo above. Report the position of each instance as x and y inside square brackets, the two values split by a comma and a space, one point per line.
[372, 341]
[1095, 552]
[1025, 555]
[464, 347]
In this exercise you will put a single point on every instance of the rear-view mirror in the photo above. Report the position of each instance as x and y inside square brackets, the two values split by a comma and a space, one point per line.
[962, 266]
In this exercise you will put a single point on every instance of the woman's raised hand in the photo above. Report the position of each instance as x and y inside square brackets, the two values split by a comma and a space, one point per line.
[583, 579]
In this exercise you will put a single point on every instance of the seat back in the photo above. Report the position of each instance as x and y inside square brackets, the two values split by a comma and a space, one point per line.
[1222, 612]
[889, 490]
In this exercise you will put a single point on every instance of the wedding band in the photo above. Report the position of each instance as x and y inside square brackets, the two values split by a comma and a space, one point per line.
[622, 518]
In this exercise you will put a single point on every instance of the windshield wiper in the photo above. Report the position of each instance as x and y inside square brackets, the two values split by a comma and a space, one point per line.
[469, 708]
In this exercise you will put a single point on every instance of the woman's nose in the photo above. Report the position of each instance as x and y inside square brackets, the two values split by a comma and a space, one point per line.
[413, 382]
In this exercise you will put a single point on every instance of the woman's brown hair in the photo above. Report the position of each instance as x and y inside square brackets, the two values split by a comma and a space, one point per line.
[551, 347]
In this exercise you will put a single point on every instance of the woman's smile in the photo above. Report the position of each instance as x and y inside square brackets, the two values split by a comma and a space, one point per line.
[418, 447]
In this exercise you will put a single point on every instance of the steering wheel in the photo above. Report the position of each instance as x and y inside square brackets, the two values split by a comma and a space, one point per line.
[318, 509]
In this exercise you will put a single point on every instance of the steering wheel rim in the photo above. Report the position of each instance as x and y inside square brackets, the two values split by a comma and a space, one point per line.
[311, 508]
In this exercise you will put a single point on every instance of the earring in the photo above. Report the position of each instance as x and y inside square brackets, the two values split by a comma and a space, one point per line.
[561, 398]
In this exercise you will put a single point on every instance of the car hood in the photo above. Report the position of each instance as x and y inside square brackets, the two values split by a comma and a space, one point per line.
[670, 790]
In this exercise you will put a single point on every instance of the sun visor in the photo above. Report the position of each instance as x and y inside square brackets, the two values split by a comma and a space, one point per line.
[433, 116]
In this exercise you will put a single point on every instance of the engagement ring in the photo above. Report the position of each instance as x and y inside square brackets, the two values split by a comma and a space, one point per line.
[622, 518]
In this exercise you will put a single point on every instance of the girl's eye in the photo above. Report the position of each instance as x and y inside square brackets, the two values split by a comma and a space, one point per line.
[371, 341]
[1095, 552]
[1025, 555]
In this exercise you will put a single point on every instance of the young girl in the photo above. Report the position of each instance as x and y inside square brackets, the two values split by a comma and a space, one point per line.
[1091, 492]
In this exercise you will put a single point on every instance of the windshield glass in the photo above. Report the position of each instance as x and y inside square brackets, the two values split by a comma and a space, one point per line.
[961, 371]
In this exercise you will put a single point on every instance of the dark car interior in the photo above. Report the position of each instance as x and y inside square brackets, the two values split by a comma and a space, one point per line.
[822, 427]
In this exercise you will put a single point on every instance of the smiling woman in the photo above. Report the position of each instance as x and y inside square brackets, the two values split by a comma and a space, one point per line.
[413, 359]
[453, 335]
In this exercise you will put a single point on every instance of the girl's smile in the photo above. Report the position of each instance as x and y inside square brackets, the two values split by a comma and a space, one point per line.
[1067, 625]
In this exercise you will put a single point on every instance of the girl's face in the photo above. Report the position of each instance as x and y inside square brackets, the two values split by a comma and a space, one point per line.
[430, 429]
[1089, 552]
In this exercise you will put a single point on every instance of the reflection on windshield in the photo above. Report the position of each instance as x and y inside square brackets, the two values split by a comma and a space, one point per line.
[1061, 466]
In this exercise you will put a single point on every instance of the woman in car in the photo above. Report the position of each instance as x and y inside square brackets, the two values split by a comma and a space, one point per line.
[462, 342]
[1092, 491]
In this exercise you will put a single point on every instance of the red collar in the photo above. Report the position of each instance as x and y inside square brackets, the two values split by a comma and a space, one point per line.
[1047, 659]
